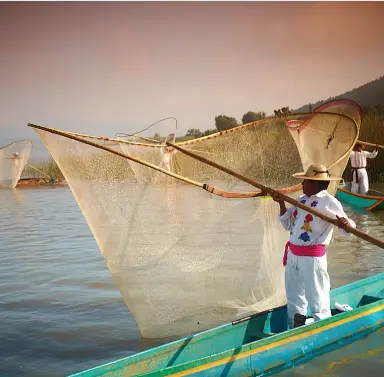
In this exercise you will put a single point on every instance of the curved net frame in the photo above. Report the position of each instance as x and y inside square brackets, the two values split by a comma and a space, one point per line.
[186, 260]
[13, 158]
[319, 141]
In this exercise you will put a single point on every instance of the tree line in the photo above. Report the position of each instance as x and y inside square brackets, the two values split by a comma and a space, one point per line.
[225, 122]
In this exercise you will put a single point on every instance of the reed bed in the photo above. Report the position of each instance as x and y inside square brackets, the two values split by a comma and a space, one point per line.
[46, 166]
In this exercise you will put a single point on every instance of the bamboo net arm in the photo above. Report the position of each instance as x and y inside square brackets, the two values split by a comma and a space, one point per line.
[286, 198]
[204, 186]
[370, 144]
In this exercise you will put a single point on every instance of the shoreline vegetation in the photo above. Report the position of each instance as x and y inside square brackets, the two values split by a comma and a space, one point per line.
[48, 168]
[372, 130]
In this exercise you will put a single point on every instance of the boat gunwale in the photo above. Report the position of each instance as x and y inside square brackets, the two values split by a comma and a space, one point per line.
[266, 344]
[372, 207]
[116, 364]
[364, 196]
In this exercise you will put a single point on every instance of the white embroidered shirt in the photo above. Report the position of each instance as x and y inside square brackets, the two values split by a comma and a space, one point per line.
[359, 159]
[307, 229]
[166, 157]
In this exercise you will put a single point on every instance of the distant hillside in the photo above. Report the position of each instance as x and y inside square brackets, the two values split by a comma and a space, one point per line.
[368, 95]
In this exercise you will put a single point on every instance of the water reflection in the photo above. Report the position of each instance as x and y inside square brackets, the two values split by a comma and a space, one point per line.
[60, 311]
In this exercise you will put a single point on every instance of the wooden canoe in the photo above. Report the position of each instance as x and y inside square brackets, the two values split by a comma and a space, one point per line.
[373, 201]
[258, 344]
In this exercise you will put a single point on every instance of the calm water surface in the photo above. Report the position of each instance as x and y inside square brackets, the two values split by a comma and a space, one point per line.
[60, 311]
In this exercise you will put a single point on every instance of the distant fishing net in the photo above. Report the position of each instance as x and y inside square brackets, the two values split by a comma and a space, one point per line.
[186, 260]
[326, 141]
[13, 158]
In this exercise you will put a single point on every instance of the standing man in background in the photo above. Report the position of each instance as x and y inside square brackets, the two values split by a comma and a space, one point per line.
[358, 159]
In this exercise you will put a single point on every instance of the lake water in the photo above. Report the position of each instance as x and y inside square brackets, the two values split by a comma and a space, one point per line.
[60, 311]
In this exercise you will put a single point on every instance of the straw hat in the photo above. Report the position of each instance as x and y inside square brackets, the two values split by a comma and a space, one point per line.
[317, 172]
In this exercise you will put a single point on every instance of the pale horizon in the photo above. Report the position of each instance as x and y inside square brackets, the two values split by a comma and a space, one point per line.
[102, 68]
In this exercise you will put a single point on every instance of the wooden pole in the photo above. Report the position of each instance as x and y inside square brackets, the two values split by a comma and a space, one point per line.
[204, 186]
[39, 171]
[286, 198]
[370, 144]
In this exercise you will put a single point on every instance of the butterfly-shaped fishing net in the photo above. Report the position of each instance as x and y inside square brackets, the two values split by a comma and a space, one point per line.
[184, 259]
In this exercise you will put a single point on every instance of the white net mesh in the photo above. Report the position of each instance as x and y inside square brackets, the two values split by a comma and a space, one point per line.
[186, 260]
[13, 158]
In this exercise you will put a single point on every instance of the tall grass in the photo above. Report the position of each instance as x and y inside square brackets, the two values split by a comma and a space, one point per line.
[48, 167]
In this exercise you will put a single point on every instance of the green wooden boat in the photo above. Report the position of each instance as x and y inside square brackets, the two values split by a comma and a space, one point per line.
[259, 344]
[373, 201]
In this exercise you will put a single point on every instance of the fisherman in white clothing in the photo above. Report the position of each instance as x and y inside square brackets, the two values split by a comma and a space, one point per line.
[358, 159]
[306, 276]
[167, 153]
[15, 167]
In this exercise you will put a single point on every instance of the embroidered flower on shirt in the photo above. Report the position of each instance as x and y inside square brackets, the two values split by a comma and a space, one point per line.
[304, 236]
[309, 217]
[314, 204]
[307, 228]
[302, 201]
[294, 218]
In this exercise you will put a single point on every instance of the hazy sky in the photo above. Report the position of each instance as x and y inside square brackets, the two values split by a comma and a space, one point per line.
[105, 67]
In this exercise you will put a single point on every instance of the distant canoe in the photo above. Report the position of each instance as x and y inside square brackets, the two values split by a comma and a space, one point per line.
[259, 344]
[373, 201]
[33, 182]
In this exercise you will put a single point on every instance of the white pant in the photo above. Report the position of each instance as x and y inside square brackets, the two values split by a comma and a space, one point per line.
[307, 281]
[362, 186]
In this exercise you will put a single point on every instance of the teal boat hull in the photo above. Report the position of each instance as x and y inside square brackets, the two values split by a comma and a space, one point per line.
[373, 201]
[259, 344]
